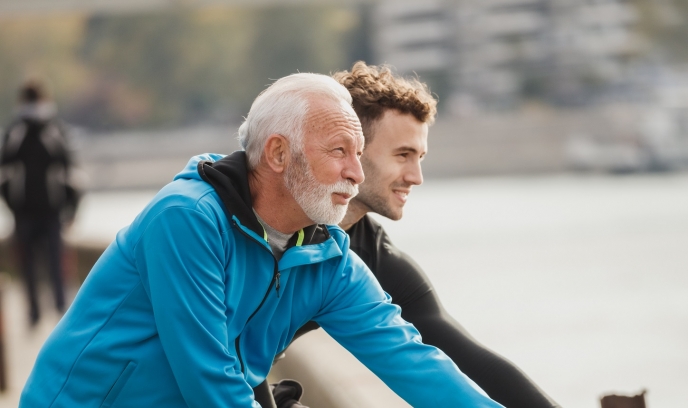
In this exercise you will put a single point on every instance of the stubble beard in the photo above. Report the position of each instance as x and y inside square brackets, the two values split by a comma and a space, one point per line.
[374, 196]
[314, 197]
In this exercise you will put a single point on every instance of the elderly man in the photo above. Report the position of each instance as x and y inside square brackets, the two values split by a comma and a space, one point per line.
[191, 302]
[395, 114]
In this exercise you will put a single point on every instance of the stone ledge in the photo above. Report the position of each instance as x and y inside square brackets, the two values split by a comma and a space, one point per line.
[331, 376]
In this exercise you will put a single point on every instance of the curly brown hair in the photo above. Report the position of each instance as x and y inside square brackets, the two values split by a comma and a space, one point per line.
[375, 89]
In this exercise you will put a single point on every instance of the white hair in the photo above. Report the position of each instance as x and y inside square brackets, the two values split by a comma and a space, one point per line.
[282, 109]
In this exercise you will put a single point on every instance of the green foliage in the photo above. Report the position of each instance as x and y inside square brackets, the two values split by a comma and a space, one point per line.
[181, 66]
[43, 46]
[665, 23]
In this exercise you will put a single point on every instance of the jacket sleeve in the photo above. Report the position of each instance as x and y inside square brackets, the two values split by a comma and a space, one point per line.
[360, 316]
[182, 258]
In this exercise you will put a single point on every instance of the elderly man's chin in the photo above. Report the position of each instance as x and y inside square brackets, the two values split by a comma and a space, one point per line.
[329, 214]
[316, 199]
[320, 208]
[325, 204]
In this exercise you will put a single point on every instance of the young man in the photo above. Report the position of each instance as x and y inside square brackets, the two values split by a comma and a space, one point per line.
[190, 304]
[395, 114]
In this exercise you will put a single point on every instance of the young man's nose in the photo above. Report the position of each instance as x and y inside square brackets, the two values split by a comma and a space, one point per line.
[414, 174]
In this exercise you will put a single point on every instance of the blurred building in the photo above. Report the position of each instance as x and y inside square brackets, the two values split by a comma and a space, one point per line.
[484, 59]
[494, 52]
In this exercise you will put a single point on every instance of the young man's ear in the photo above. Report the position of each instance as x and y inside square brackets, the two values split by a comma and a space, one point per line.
[277, 152]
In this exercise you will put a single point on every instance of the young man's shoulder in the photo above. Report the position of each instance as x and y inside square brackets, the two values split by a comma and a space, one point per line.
[365, 231]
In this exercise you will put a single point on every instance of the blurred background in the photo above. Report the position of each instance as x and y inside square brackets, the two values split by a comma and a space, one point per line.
[558, 160]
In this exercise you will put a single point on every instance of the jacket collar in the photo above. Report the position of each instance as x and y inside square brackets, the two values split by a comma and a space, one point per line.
[229, 178]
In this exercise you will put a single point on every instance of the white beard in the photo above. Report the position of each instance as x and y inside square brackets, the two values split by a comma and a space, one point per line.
[315, 198]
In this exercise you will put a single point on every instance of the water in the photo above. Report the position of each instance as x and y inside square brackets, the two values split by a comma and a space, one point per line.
[582, 281]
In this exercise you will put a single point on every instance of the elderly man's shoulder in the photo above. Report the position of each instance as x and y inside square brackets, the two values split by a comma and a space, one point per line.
[192, 196]
[188, 189]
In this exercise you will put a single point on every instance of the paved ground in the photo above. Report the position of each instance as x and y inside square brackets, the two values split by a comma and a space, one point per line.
[21, 342]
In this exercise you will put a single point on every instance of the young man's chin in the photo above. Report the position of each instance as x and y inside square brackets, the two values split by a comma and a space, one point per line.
[393, 214]
[396, 217]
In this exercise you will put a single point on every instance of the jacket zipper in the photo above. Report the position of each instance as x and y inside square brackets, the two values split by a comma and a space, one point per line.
[275, 280]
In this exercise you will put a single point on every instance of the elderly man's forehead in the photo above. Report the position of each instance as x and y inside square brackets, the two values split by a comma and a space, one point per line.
[327, 111]
[319, 101]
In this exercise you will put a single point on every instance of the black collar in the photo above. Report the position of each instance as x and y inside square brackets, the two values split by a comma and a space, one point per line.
[229, 178]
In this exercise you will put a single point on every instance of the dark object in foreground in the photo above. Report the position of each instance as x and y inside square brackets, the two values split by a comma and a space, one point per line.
[617, 401]
[288, 394]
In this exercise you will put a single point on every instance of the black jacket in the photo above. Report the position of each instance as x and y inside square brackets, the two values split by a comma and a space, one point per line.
[35, 164]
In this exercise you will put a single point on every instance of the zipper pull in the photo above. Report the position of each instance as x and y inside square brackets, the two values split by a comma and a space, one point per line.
[277, 283]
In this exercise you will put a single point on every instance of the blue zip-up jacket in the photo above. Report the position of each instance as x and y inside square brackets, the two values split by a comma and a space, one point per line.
[188, 307]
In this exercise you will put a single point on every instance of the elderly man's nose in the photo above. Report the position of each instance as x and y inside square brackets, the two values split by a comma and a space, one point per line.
[353, 171]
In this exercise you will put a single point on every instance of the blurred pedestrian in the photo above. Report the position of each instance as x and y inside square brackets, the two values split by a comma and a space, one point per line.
[35, 165]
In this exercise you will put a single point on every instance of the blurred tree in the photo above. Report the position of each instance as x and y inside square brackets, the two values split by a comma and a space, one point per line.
[292, 39]
[665, 23]
[44, 46]
[176, 66]
[157, 68]
[183, 66]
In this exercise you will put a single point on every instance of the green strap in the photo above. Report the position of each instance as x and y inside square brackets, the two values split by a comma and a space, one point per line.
[299, 240]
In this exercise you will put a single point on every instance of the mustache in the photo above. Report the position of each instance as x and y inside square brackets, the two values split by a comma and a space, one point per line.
[343, 187]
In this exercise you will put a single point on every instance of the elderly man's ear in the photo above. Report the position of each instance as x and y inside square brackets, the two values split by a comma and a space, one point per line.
[277, 153]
